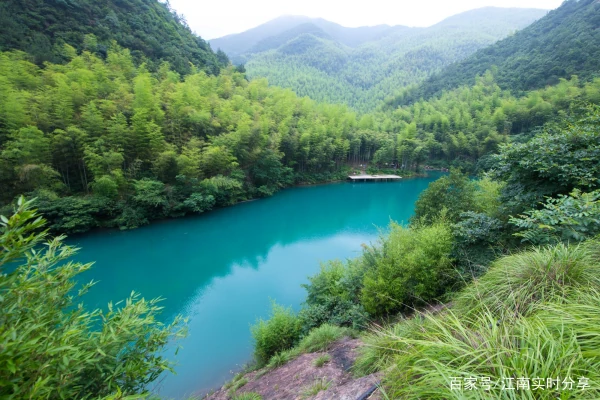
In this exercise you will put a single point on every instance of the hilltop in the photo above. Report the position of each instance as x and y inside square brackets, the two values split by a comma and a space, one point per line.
[363, 66]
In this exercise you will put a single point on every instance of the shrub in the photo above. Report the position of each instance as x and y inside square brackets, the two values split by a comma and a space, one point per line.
[51, 347]
[280, 332]
[321, 338]
[516, 284]
[567, 218]
[413, 267]
[333, 296]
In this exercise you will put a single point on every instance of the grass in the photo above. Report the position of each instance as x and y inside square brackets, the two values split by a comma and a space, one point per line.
[322, 360]
[515, 285]
[549, 329]
[318, 386]
[381, 345]
[282, 358]
[247, 396]
[237, 382]
[235, 379]
[320, 339]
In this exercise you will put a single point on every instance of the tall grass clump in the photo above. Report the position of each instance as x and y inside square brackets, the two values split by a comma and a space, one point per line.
[516, 284]
[454, 348]
[552, 332]
[319, 339]
[381, 345]
[280, 332]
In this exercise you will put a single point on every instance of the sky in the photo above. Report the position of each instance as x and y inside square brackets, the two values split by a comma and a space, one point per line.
[213, 19]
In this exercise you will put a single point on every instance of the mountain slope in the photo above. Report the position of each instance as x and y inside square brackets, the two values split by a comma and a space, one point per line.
[566, 42]
[148, 28]
[363, 66]
[269, 35]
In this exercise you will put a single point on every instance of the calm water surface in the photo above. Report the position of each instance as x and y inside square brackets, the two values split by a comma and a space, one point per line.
[223, 268]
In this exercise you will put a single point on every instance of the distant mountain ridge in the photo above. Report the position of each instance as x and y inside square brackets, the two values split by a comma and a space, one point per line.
[365, 65]
[564, 43]
[249, 41]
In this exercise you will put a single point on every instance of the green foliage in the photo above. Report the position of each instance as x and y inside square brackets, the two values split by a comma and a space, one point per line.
[556, 335]
[380, 345]
[413, 267]
[561, 158]
[150, 29]
[517, 284]
[319, 339]
[283, 358]
[535, 57]
[280, 332]
[333, 296]
[567, 218]
[321, 360]
[478, 238]
[51, 346]
[449, 196]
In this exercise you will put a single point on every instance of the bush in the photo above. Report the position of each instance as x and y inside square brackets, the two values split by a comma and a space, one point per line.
[455, 193]
[516, 284]
[567, 218]
[280, 332]
[51, 347]
[413, 267]
[333, 296]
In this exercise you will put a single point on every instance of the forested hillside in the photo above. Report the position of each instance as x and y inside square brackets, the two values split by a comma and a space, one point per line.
[106, 143]
[150, 29]
[564, 43]
[362, 66]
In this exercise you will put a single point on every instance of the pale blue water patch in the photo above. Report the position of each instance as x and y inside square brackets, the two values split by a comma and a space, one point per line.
[223, 268]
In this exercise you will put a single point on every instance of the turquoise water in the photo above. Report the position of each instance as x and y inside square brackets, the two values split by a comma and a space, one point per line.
[222, 269]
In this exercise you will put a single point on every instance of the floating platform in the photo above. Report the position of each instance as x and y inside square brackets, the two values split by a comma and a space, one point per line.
[366, 178]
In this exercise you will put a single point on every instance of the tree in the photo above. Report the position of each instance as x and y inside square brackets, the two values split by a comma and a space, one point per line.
[52, 346]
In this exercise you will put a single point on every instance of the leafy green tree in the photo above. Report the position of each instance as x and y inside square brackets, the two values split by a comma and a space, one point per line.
[451, 195]
[52, 347]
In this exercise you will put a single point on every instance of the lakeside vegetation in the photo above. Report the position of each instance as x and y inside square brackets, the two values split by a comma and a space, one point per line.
[494, 277]
[521, 288]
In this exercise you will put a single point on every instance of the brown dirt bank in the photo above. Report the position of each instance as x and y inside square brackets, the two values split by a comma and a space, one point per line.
[293, 380]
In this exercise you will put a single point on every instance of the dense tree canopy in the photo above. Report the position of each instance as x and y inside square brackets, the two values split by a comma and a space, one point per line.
[150, 29]
[566, 42]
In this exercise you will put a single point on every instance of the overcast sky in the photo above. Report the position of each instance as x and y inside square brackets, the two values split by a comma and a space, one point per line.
[213, 19]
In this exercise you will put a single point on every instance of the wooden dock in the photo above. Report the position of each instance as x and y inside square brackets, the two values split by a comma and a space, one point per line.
[366, 178]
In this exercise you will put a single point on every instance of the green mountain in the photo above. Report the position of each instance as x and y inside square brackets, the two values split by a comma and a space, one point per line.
[151, 30]
[564, 43]
[363, 66]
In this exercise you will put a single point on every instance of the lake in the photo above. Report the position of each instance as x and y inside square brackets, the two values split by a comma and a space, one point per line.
[222, 269]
